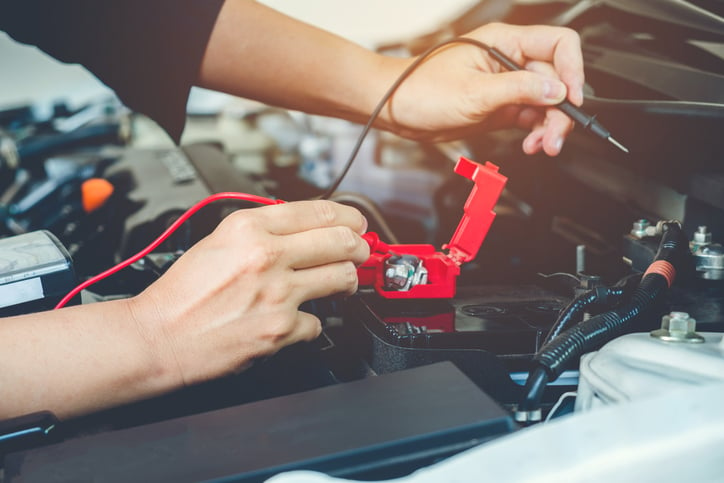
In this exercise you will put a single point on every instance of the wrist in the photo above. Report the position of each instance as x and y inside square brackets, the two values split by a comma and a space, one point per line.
[386, 72]
[160, 372]
[407, 112]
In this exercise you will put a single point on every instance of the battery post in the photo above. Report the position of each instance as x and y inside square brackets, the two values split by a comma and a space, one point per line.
[410, 271]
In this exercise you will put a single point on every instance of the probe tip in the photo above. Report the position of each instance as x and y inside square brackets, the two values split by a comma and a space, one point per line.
[618, 144]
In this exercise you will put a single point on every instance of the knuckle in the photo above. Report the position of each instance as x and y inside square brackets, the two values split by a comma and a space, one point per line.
[278, 293]
[309, 327]
[349, 277]
[325, 212]
[347, 239]
[570, 35]
[241, 222]
[526, 87]
[280, 328]
[260, 257]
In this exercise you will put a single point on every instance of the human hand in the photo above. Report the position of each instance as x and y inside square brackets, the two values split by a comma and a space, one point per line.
[460, 89]
[235, 295]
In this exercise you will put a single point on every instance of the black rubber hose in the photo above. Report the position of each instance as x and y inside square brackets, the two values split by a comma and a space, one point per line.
[598, 295]
[592, 333]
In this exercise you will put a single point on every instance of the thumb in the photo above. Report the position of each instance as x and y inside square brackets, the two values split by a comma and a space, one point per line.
[522, 87]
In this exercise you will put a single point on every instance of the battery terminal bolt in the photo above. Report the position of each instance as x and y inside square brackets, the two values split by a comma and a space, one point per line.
[708, 255]
[702, 236]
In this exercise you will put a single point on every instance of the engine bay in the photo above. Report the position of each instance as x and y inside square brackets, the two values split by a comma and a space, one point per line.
[429, 370]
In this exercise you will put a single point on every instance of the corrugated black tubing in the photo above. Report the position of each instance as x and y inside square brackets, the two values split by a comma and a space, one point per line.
[568, 316]
[594, 332]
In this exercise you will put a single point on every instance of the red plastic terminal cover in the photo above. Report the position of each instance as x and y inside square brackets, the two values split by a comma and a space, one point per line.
[442, 268]
[479, 214]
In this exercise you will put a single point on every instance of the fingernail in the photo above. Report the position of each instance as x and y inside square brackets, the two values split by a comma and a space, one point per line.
[554, 90]
[558, 144]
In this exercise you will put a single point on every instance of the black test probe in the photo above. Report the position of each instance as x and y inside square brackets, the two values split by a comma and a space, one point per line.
[588, 122]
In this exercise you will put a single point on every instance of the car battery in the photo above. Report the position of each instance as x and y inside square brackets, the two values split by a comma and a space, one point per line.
[488, 331]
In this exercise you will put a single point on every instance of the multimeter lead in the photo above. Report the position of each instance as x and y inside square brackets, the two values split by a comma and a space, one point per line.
[617, 144]
[588, 122]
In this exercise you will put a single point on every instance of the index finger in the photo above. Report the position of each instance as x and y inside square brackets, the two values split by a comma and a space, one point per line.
[560, 46]
[300, 216]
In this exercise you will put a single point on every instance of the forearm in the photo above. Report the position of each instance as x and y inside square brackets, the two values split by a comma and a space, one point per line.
[258, 266]
[78, 360]
[259, 53]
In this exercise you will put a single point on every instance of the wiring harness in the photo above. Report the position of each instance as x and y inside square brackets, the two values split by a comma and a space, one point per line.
[550, 361]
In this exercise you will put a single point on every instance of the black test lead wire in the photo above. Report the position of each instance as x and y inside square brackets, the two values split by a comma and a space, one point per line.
[588, 122]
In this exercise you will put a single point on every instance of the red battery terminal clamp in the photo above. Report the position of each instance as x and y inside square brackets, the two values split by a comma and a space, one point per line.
[435, 273]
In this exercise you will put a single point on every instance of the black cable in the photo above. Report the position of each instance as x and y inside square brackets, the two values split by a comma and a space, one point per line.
[592, 333]
[587, 121]
[381, 104]
[577, 114]
[569, 315]
[602, 296]
[370, 210]
[534, 388]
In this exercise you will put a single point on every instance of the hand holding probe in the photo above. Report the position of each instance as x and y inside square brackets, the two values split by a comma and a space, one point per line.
[588, 122]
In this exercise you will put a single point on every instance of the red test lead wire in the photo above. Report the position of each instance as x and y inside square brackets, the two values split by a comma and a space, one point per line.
[174, 226]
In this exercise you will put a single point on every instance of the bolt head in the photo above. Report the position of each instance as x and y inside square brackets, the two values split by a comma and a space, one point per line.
[678, 327]
[702, 236]
[678, 322]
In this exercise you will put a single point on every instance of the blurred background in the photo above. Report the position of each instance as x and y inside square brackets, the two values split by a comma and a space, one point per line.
[31, 76]
[591, 218]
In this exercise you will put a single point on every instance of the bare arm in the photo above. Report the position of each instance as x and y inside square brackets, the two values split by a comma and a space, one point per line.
[76, 360]
[233, 297]
[259, 53]
[236, 294]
